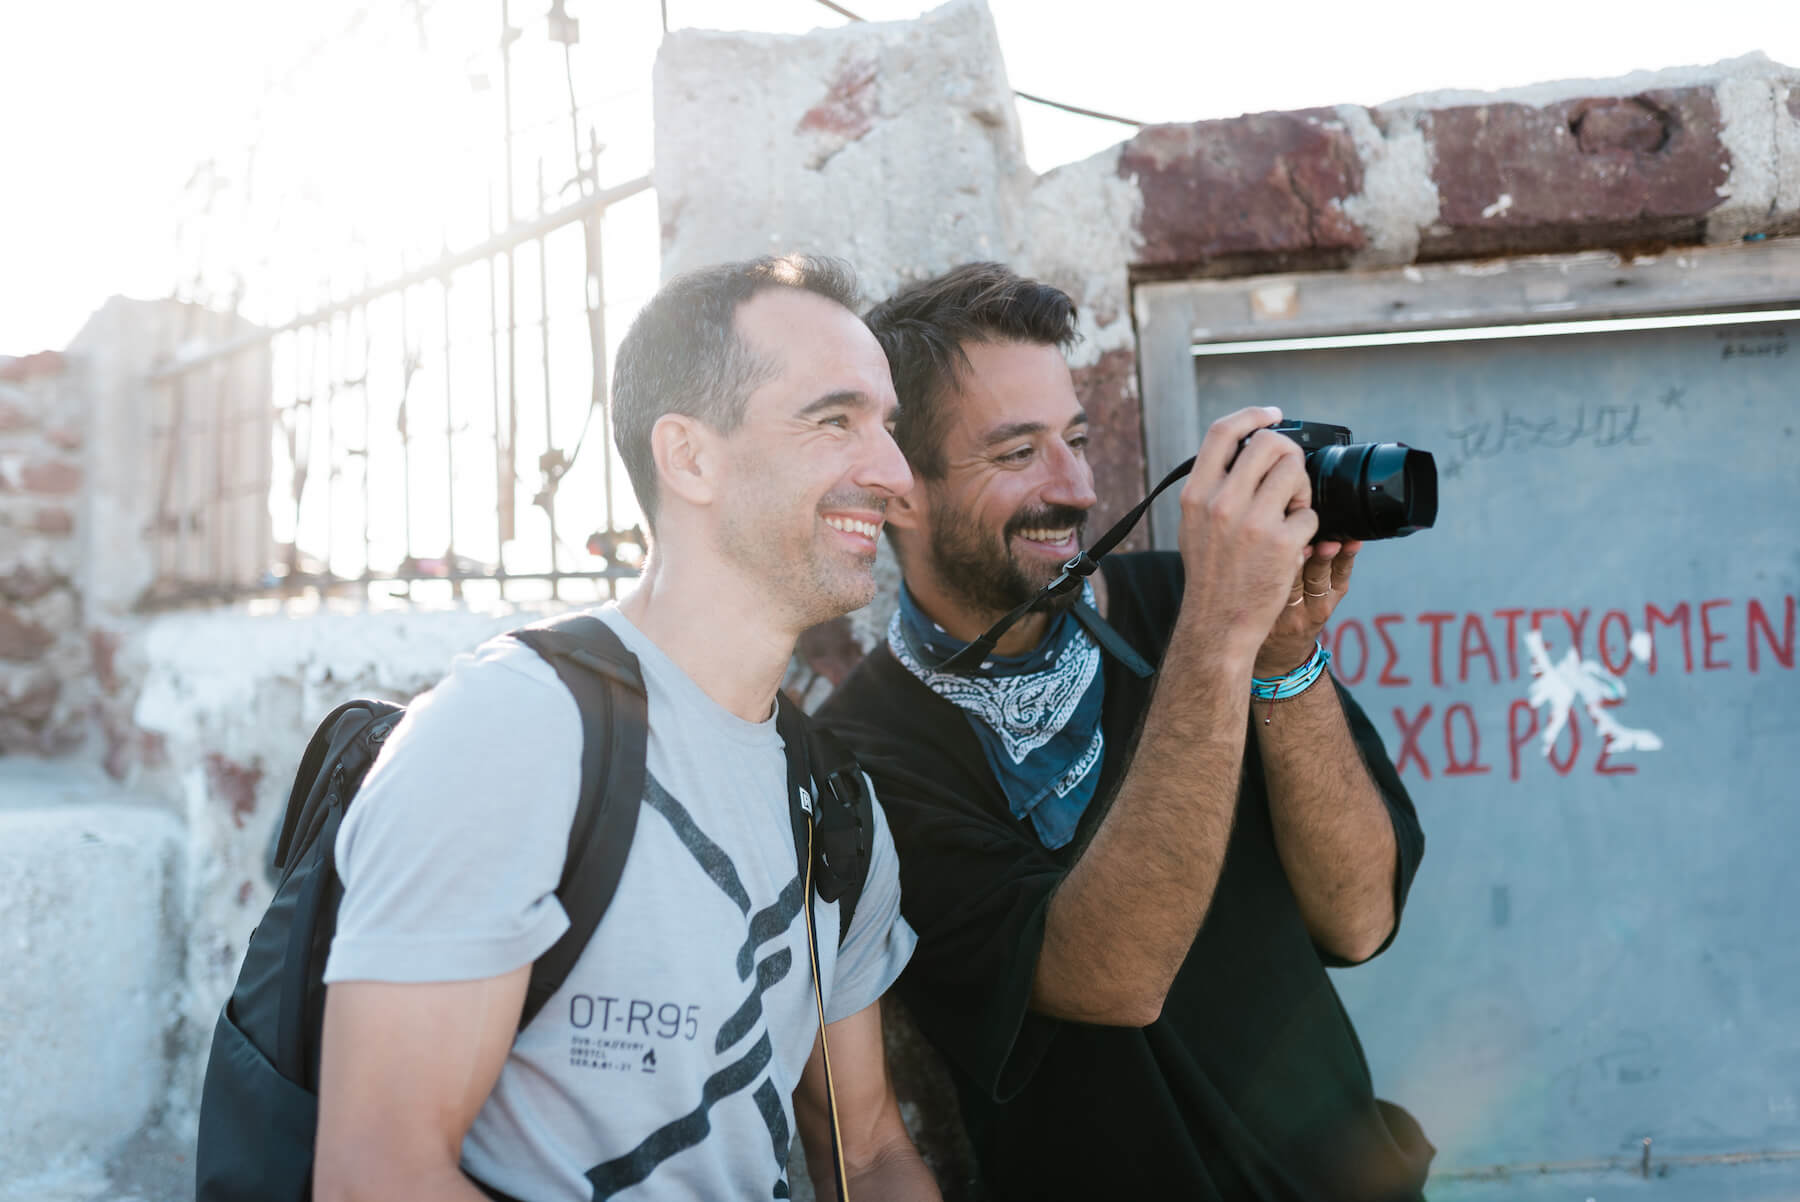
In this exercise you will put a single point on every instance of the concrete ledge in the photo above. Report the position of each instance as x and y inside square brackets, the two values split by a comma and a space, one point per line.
[90, 906]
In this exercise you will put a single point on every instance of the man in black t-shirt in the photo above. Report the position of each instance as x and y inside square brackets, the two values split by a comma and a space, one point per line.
[1132, 840]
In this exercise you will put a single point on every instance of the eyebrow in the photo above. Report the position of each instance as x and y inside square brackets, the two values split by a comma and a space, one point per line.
[848, 399]
[844, 398]
[1010, 430]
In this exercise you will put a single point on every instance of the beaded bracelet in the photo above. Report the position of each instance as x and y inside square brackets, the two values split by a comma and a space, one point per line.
[1280, 688]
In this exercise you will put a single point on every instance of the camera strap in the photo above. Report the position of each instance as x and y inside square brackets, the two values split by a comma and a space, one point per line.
[1069, 579]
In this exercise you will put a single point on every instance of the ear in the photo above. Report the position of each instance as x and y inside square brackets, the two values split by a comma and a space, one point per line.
[911, 509]
[687, 458]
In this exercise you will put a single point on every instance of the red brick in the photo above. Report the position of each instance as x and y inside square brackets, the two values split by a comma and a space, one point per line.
[55, 477]
[26, 583]
[21, 639]
[35, 703]
[830, 649]
[44, 363]
[1639, 171]
[1255, 193]
[235, 784]
[103, 645]
[53, 519]
[1108, 392]
[13, 419]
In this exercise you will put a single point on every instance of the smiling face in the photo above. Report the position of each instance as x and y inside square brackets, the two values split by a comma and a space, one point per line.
[811, 469]
[1011, 504]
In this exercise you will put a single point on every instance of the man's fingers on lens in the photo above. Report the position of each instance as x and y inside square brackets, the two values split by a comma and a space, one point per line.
[1302, 524]
[1341, 565]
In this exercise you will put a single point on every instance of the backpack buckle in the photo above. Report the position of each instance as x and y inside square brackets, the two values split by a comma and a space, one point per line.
[842, 839]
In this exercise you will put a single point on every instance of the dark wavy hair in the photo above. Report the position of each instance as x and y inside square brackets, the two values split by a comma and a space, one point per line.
[924, 328]
[683, 354]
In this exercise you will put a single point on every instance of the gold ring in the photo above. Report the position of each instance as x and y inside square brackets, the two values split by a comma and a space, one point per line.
[1326, 593]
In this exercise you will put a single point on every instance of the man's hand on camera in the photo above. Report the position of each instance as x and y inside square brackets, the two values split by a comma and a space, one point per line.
[1321, 582]
[1246, 518]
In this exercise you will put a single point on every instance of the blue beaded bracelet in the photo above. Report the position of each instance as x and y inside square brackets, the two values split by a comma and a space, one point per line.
[1280, 688]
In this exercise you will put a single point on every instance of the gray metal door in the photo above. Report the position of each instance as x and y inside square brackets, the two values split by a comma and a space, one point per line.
[1603, 943]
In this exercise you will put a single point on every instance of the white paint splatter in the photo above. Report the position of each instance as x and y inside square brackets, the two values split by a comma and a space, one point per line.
[1641, 646]
[1499, 206]
[1558, 686]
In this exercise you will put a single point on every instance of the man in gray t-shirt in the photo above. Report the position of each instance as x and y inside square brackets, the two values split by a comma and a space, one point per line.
[753, 411]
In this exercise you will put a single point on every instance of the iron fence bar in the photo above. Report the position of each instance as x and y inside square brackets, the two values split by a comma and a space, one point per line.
[296, 457]
[449, 449]
[332, 376]
[507, 451]
[503, 492]
[221, 378]
[599, 403]
[368, 434]
[168, 521]
[408, 366]
[546, 497]
[521, 232]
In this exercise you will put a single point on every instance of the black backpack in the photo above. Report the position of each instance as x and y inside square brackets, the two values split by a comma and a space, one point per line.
[259, 1102]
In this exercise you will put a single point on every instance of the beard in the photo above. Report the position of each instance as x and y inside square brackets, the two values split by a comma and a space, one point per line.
[809, 582]
[979, 569]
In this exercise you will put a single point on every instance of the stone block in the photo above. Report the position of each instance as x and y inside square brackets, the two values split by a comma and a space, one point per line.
[1578, 174]
[20, 637]
[1267, 188]
[1761, 129]
[769, 144]
[89, 920]
[53, 477]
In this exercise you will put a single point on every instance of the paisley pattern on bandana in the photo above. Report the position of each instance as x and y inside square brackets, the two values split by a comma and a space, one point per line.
[1036, 716]
[1025, 711]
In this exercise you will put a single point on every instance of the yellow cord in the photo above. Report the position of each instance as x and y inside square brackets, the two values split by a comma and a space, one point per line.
[812, 944]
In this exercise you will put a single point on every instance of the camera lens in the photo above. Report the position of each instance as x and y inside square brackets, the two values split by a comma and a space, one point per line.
[1372, 490]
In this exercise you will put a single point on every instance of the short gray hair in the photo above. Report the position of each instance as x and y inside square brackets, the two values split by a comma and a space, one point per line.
[683, 354]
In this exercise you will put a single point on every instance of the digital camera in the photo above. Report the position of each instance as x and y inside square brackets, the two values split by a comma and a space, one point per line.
[1365, 490]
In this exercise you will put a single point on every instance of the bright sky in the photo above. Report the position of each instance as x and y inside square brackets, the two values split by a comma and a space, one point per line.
[106, 106]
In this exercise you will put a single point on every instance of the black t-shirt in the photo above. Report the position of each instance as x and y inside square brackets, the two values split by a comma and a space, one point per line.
[1250, 1085]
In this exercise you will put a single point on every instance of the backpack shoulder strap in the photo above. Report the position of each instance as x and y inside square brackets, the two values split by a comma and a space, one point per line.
[842, 815]
[608, 687]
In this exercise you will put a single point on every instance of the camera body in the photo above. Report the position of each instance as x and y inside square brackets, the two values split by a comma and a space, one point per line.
[1367, 490]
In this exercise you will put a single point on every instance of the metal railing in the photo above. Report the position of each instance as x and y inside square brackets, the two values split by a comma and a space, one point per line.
[414, 436]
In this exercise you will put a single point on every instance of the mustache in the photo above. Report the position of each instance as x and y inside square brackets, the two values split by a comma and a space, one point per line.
[854, 498]
[1050, 516]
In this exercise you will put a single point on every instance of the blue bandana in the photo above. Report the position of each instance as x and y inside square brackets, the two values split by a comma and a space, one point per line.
[1037, 715]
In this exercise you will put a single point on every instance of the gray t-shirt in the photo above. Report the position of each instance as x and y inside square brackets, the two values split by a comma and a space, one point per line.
[666, 1064]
